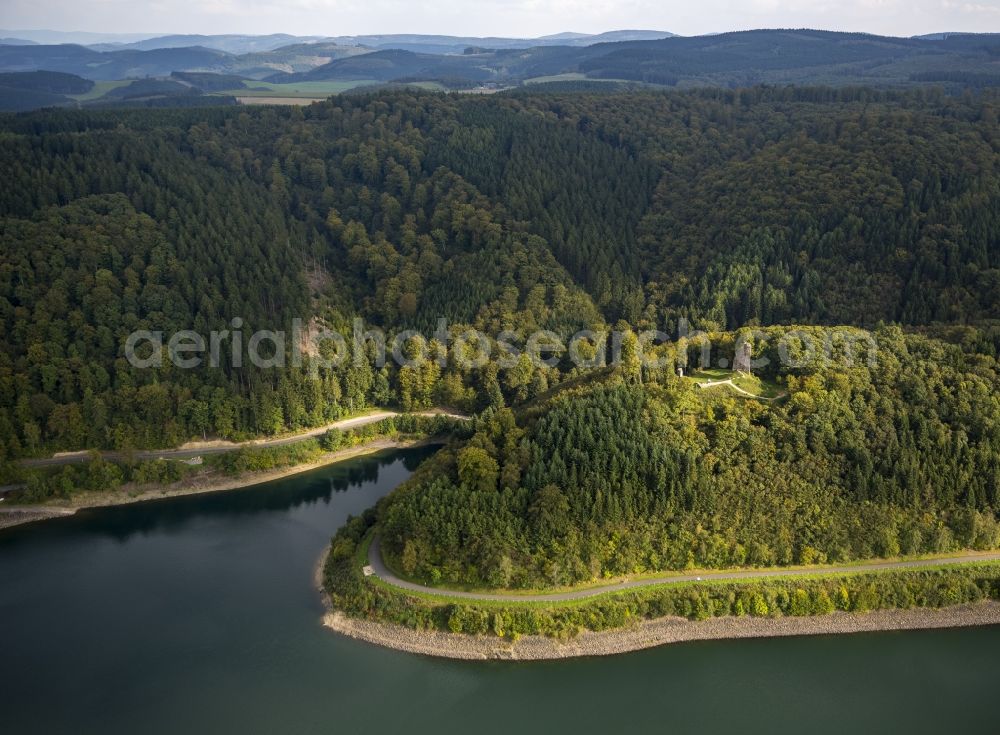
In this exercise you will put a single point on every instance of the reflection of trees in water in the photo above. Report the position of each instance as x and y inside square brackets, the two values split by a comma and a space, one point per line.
[121, 522]
[413, 457]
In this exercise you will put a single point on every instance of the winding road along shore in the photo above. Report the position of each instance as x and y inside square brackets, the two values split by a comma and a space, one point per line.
[385, 574]
[650, 633]
[198, 449]
[16, 515]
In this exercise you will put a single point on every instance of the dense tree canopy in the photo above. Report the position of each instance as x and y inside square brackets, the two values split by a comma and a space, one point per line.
[557, 211]
[613, 478]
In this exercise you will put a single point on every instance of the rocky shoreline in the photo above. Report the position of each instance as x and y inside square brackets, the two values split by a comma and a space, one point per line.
[16, 515]
[648, 633]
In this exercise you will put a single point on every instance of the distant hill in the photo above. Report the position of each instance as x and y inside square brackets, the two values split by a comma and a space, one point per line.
[729, 59]
[432, 44]
[230, 43]
[68, 58]
[782, 57]
[48, 37]
[950, 34]
[208, 82]
[394, 65]
[245, 44]
[569, 36]
[297, 57]
[176, 91]
[124, 63]
[20, 91]
[23, 91]
[621, 36]
[144, 88]
[100, 65]
[46, 81]
[741, 59]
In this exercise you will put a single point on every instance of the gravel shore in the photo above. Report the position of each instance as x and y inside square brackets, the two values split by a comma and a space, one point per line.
[15, 516]
[659, 632]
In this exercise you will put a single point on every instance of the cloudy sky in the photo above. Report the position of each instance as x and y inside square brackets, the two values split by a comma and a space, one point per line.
[523, 18]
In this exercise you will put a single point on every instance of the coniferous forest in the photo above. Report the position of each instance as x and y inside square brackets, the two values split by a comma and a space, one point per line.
[770, 208]
[628, 477]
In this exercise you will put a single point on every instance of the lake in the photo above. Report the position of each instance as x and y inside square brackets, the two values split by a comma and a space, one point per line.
[198, 615]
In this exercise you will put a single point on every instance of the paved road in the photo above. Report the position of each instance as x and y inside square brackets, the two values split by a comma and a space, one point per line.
[383, 573]
[222, 447]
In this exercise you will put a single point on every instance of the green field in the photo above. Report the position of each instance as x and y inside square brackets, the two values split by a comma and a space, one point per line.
[99, 90]
[709, 375]
[754, 384]
[312, 89]
[757, 385]
[568, 77]
[573, 77]
[297, 89]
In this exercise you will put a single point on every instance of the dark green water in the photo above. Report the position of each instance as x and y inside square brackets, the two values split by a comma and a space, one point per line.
[198, 615]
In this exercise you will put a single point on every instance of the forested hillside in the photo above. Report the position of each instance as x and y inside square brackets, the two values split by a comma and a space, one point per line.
[30, 90]
[779, 206]
[554, 211]
[621, 478]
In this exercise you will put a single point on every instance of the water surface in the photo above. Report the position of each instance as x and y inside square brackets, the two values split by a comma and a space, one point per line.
[198, 615]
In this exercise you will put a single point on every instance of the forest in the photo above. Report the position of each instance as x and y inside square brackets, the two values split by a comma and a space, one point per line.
[100, 475]
[771, 597]
[767, 209]
[620, 477]
[555, 211]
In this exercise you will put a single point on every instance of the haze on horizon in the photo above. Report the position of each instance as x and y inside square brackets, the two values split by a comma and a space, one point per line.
[513, 18]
